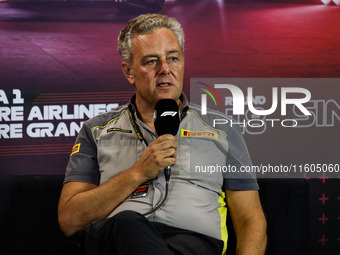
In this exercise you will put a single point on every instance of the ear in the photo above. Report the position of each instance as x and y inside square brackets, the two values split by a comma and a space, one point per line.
[128, 72]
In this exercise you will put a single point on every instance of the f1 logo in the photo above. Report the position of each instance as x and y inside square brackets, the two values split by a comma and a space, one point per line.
[168, 113]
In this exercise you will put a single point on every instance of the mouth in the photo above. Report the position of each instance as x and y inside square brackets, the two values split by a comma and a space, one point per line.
[164, 84]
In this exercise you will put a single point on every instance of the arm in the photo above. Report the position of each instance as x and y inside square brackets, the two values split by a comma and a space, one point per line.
[82, 203]
[248, 220]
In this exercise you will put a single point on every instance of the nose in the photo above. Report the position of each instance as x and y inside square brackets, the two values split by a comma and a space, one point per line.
[164, 67]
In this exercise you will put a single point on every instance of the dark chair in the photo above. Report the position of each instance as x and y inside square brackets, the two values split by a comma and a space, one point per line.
[28, 215]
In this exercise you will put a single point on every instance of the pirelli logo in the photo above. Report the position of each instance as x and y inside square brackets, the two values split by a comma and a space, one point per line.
[75, 149]
[188, 133]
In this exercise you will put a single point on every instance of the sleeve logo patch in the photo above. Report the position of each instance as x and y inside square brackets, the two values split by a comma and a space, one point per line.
[188, 133]
[75, 149]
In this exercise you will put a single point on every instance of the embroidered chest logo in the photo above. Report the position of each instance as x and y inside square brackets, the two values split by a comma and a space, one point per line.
[119, 130]
[188, 133]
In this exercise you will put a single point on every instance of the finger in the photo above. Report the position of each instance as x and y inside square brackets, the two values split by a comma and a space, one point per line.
[168, 143]
[166, 137]
[168, 153]
[170, 162]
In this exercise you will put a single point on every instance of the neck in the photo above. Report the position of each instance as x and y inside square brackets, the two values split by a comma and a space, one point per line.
[145, 113]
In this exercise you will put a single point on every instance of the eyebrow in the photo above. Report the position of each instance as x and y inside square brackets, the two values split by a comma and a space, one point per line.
[150, 56]
[156, 55]
[173, 51]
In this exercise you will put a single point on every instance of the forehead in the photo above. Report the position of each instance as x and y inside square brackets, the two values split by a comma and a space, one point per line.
[160, 39]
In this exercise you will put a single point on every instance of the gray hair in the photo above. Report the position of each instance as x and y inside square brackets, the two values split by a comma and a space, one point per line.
[144, 24]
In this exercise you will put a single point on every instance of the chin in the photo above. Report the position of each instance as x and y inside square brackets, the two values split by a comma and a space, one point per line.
[167, 96]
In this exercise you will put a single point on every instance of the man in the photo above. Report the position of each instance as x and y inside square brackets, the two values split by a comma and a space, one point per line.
[114, 176]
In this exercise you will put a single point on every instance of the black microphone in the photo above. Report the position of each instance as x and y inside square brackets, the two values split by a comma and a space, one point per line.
[166, 120]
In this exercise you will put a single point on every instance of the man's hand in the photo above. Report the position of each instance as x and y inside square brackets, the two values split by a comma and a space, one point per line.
[157, 156]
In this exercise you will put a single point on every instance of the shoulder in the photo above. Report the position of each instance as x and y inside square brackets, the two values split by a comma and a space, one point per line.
[104, 119]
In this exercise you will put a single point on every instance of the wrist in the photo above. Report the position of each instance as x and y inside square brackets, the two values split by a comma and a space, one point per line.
[137, 176]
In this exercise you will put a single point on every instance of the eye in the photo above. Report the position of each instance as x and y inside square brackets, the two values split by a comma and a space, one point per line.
[151, 62]
[173, 59]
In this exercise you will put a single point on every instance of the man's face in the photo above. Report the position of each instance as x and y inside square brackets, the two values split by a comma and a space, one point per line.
[157, 67]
